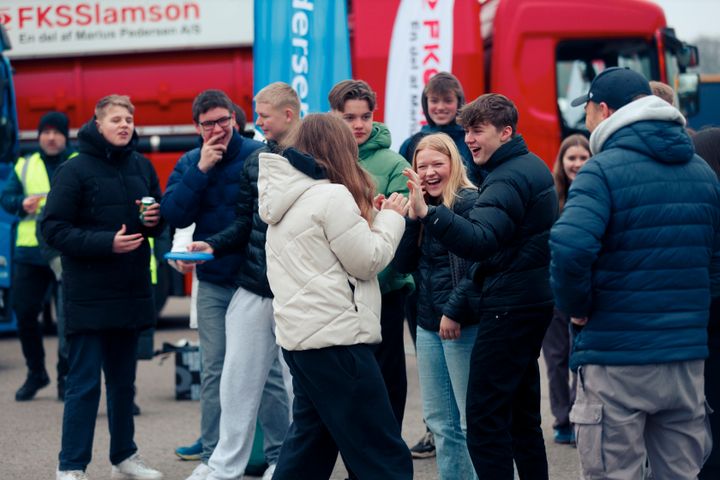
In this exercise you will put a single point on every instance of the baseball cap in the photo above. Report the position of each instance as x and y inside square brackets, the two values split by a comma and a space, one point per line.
[616, 86]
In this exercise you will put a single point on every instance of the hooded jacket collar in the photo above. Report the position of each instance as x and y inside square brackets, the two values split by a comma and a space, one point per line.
[648, 124]
[282, 180]
[91, 142]
[379, 139]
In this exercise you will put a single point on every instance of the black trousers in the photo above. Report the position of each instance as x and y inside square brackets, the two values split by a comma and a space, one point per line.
[556, 350]
[341, 404]
[390, 353]
[29, 288]
[114, 353]
[503, 397]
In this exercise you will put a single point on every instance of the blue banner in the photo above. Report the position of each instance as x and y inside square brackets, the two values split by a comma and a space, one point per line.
[304, 43]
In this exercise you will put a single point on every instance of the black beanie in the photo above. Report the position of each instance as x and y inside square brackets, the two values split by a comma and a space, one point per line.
[57, 120]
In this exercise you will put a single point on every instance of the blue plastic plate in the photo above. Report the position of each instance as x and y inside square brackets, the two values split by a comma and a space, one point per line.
[189, 256]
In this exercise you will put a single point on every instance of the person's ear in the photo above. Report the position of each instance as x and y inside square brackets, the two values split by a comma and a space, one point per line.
[506, 133]
[605, 110]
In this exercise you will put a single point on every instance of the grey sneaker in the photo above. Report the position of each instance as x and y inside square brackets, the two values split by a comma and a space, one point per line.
[134, 468]
[71, 475]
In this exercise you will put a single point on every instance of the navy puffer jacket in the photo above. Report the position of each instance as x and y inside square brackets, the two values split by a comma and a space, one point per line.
[637, 246]
[209, 200]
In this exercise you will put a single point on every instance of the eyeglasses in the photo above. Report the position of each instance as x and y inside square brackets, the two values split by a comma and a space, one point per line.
[210, 124]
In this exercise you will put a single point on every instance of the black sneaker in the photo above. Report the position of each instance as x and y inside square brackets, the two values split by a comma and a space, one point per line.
[425, 448]
[34, 382]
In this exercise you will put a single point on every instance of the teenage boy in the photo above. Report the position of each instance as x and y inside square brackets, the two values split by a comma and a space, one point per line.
[204, 189]
[507, 234]
[354, 102]
[442, 98]
[253, 372]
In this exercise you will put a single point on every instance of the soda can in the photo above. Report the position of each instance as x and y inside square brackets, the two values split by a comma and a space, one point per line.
[145, 203]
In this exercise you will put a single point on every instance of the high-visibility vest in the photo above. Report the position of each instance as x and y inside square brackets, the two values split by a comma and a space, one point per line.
[153, 262]
[34, 179]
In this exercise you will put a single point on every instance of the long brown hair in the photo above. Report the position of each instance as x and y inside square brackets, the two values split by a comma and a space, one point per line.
[562, 182]
[331, 143]
[442, 143]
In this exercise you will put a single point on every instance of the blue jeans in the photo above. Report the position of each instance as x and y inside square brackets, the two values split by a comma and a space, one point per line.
[115, 352]
[212, 303]
[443, 368]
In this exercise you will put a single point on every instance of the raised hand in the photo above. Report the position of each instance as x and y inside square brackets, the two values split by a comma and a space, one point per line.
[123, 243]
[378, 201]
[397, 203]
[211, 153]
[418, 207]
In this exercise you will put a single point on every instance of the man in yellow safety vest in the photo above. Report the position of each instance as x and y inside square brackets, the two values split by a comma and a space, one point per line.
[24, 195]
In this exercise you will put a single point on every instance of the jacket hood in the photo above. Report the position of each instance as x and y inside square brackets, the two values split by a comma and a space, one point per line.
[649, 126]
[424, 102]
[379, 138]
[282, 180]
[91, 142]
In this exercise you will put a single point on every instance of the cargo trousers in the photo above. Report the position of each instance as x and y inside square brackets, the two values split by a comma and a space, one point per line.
[624, 415]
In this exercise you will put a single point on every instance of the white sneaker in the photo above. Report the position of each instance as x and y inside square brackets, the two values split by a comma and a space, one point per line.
[133, 468]
[201, 472]
[71, 475]
[269, 472]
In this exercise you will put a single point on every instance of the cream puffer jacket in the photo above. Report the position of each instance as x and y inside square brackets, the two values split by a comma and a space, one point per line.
[322, 256]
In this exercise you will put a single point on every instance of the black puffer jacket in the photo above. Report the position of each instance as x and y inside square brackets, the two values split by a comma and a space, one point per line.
[506, 232]
[91, 197]
[433, 264]
[246, 234]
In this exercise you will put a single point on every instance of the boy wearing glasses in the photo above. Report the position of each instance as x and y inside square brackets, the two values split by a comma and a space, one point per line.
[254, 373]
[204, 188]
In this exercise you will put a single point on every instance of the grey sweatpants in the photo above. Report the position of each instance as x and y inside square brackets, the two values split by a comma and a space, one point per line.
[252, 386]
[625, 414]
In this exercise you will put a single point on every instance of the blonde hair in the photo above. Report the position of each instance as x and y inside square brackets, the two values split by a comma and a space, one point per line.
[330, 142]
[117, 100]
[279, 95]
[442, 143]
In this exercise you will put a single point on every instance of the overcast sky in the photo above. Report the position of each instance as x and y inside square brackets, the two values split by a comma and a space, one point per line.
[692, 18]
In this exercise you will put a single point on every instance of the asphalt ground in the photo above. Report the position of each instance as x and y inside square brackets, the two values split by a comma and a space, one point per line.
[30, 431]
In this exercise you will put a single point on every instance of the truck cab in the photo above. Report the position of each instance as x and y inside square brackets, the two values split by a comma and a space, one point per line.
[540, 53]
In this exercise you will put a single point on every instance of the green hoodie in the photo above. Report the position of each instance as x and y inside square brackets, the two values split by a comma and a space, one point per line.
[386, 167]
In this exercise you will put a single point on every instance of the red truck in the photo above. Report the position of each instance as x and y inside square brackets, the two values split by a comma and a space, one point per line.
[540, 53]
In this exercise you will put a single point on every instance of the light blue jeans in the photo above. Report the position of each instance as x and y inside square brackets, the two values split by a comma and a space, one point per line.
[443, 368]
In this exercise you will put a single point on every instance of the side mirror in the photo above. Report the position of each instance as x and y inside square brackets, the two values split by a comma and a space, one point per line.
[687, 92]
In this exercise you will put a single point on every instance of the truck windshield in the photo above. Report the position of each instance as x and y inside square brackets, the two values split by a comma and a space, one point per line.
[579, 61]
